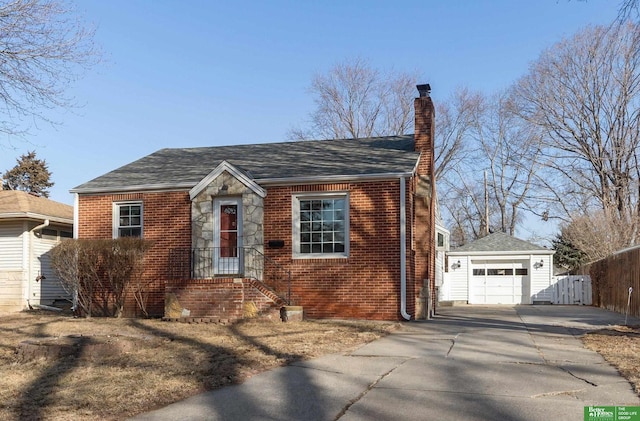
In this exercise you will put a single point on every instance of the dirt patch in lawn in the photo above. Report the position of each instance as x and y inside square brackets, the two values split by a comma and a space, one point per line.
[55, 367]
[620, 346]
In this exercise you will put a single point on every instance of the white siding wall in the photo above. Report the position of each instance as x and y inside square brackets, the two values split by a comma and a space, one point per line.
[541, 284]
[49, 289]
[459, 288]
[11, 246]
[12, 267]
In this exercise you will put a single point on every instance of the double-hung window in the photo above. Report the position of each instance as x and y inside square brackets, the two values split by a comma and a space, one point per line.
[321, 225]
[127, 219]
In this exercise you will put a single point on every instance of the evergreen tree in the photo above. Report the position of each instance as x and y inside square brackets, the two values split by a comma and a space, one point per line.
[567, 255]
[30, 174]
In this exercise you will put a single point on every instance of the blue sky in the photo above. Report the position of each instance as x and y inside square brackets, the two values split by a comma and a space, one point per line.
[206, 73]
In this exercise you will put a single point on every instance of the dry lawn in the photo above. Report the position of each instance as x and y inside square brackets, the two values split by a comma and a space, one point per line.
[620, 346]
[122, 367]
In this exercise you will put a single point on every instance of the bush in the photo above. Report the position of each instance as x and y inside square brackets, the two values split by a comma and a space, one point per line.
[103, 272]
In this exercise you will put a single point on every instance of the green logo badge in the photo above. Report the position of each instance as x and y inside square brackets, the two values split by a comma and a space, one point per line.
[612, 413]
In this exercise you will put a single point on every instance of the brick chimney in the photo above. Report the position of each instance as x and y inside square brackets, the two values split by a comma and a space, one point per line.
[424, 194]
[424, 129]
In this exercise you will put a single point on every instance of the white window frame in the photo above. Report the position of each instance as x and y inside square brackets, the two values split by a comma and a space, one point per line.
[295, 213]
[445, 238]
[116, 217]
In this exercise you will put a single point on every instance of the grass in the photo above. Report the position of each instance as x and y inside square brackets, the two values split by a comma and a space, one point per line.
[620, 346]
[122, 367]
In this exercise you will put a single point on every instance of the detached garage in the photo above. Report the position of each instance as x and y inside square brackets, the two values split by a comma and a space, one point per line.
[498, 269]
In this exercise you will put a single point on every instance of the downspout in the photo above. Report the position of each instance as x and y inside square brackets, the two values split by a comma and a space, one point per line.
[403, 250]
[76, 201]
[76, 224]
[30, 271]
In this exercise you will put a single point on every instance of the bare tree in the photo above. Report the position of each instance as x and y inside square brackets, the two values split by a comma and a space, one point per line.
[596, 235]
[628, 10]
[454, 117]
[464, 208]
[44, 49]
[511, 149]
[355, 100]
[501, 147]
[584, 94]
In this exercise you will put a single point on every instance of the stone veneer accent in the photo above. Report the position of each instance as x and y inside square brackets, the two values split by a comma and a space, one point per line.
[252, 215]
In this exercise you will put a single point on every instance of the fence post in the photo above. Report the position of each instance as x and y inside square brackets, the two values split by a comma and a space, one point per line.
[626, 315]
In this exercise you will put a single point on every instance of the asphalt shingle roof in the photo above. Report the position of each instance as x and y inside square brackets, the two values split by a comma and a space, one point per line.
[16, 203]
[187, 166]
[499, 241]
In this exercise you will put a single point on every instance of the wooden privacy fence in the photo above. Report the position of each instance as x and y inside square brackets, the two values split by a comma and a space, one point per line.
[611, 279]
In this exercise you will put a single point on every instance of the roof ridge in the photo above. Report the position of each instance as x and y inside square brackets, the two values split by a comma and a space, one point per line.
[285, 142]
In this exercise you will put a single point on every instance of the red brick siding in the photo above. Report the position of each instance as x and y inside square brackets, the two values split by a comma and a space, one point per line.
[364, 285]
[424, 134]
[166, 222]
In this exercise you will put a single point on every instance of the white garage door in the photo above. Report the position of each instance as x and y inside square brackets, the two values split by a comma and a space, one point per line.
[499, 282]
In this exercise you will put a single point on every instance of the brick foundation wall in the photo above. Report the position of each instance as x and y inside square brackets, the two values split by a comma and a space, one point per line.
[221, 298]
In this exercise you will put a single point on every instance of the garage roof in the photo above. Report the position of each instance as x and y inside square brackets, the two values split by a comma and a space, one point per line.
[18, 204]
[501, 242]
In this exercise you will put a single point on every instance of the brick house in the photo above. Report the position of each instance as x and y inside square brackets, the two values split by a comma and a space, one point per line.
[344, 228]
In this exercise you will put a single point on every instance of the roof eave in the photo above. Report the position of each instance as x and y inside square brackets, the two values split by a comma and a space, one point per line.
[134, 188]
[36, 217]
[500, 253]
[261, 181]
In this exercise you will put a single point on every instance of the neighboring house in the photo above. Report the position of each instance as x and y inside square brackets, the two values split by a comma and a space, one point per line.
[349, 222]
[442, 247]
[499, 269]
[30, 227]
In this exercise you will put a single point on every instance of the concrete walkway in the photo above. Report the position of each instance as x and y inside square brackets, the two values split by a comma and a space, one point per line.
[469, 363]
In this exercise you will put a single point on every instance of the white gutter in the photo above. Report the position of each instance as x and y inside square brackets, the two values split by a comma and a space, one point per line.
[30, 271]
[403, 250]
[281, 181]
[76, 206]
[35, 216]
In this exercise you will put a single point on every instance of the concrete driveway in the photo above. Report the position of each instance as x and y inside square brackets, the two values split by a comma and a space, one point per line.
[469, 363]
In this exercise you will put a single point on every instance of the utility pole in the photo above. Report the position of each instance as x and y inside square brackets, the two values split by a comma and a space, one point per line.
[486, 205]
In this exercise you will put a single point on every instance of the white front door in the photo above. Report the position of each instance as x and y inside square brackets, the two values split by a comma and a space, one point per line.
[227, 236]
